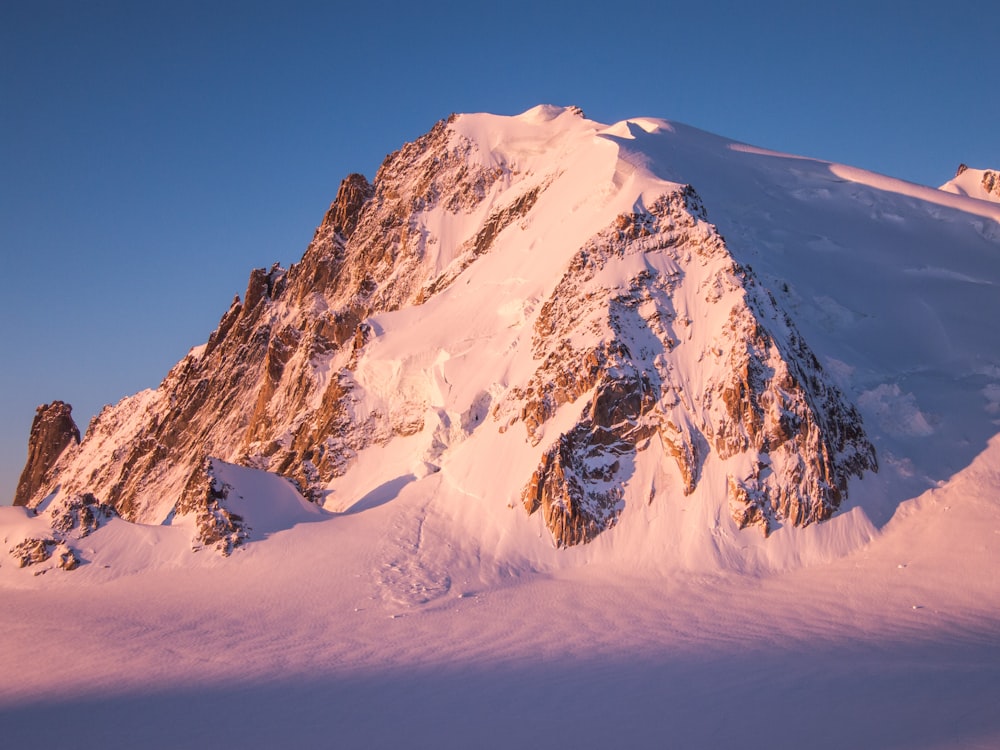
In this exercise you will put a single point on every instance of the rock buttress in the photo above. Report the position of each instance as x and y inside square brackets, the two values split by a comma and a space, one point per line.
[52, 430]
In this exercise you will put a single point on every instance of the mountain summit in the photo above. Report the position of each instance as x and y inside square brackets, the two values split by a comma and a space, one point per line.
[983, 184]
[551, 323]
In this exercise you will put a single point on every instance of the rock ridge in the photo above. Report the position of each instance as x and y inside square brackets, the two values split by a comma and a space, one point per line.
[272, 387]
[52, 431]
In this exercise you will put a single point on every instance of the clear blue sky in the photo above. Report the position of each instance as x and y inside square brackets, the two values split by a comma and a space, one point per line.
[152, 153]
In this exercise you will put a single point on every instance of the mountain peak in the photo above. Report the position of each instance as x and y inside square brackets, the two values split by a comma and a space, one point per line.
[52, 432]
[548, 112]
[983, 184]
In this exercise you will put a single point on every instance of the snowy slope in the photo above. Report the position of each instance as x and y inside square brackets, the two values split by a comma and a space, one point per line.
[423, 605]
[306, 637]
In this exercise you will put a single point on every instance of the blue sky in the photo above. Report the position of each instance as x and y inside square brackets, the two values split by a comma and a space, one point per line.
[152, 153]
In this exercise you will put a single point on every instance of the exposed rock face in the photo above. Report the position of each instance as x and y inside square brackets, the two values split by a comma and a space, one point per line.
[575, 484]
[975, 180]
[35, 551]
[342, 217]
[79, 514]
[217, 527]
[32, 551]
[52, 430]
[757, 396]
[272, 386]
[991, 183]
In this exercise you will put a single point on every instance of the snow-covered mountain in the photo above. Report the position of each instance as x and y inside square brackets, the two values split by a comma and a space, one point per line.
[540, 309]
[632, 421]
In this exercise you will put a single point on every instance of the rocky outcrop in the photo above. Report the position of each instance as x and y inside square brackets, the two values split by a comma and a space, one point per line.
[52, 431]
[342, 218]
[35, 551]
[991, 183]
[272, 387]
[988, 181]
[568, 489]
[79, 515]
[579, 484]
[69, 518]
[807, 441]
[216, 527]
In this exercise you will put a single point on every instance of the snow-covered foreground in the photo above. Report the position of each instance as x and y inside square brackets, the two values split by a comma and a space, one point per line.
[337, 632]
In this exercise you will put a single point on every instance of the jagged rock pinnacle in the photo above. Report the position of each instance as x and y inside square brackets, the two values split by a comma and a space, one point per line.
[52, 430]
[342, 217]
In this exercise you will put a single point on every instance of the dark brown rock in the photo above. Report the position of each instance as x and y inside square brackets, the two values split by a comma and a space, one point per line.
[52, 430]
[35, 551]
[66, 558]
[991, 182]
[204, 496]
[32, 551]
[748, 504]
[82, 514]
[563, 488]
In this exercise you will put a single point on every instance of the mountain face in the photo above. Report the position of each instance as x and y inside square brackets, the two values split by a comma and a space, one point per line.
[619, 334]
[536, 307]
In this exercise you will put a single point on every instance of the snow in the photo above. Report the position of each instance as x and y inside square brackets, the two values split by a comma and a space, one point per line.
[267, 502]
[423, 607]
